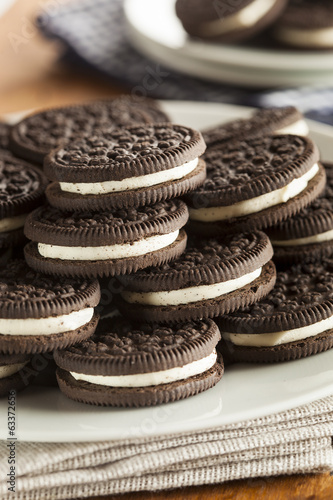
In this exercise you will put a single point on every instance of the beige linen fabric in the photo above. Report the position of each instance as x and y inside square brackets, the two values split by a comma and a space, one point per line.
[295, 441]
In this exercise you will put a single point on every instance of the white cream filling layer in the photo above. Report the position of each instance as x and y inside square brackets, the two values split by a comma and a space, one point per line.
[257, 204]
[278, 338]
[8, 370]
[46, 326]
[153, 378]
[191, 294]
[170, 174]
[316, 238]
[133, 249]
[11, 223]
[297, 128]
[322, 37]
[246, 17]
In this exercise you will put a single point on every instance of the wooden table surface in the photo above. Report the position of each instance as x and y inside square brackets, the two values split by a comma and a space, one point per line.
[31, 77]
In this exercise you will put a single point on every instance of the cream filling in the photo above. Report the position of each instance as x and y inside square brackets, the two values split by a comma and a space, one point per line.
[123, 251]
[257, 204]
[170, 174]
[316, 238]
[8, 370]
[322, 37]
[244, 18]
[278, 338]
[46, 326]
[153, 378]
[191, 294]
[11, 223]
[297, 128]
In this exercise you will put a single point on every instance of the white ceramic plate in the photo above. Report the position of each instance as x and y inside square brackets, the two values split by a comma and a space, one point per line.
[245, 391]
[156, 31]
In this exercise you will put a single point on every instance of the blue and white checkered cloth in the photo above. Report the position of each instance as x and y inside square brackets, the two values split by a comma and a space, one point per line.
[95, 35]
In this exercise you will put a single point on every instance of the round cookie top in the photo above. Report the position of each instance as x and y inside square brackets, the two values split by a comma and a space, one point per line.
[22, 186]
[315, 219]
[307, 15]
[4, 135]
[28, 294]
[263, 122]
[205, 263]
[226, 20]
[36, 135]
[127, 349]
[247, 169]
[197, 12]
[51, 226]
[303, 295]
[121, 153]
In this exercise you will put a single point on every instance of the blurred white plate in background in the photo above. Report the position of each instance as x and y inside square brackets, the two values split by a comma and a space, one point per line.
[156, 31]
[245, 391]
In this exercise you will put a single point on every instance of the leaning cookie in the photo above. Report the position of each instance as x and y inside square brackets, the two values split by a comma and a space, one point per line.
[295, 320]
[124, 168]
[209, 279]
[227, 21]
[267, 121]
[306, 24]
[22, 190]
[252, 184]
[106, 243]
[11, 378]
[36, 135]
[133, 366]
[307, 236]
[39, 313]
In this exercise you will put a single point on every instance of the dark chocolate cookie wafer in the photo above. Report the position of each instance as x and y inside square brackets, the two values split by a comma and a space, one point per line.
[306, 24]
[151, 108]
[105, 244]
[207, 280]
[294, 320]
[267, 121]
[227, 21]
[255, 183]
[39, 313]
[11, 366]
[125, 168]
[4, 135]
[22, 190]
[35, 136]
[132, 366]
[308, 235]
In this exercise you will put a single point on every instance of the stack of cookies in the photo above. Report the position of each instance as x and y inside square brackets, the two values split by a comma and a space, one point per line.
[301, 24]
[178, 235]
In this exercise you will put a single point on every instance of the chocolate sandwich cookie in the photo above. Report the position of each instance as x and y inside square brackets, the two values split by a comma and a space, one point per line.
[125, 168]
[308, 235]
[39, 313]
[4, 135]
[105, 244]
[252, 184]
[306, 24]
[36, 135]
[22, 190]
[151, 108]
[267, 121]
[134, 366]
[10, 372]
[207, 280]
[226, 21]
[293, 321]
